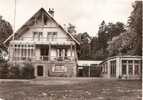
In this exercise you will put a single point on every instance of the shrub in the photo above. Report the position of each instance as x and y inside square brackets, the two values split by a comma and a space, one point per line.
[3, 70]
[14, 72]
[21, 71]
[27, 71]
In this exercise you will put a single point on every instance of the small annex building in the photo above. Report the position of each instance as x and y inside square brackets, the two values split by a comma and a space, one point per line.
[88, 68]
[122, 67]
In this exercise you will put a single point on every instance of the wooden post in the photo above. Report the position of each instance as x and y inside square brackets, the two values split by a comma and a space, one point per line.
[127, 69]
[34, 52]
[63, 55]
[19, 51]
[133, 69]
[89, 71]
[49, 51]
[30, 51]
[71, 51]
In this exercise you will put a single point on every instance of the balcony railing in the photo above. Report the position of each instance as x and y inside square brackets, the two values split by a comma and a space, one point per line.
[54, 58]
[43, 58]
[46, 39]
[43, 40]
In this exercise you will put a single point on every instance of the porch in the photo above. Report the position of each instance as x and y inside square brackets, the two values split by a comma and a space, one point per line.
[22, 50]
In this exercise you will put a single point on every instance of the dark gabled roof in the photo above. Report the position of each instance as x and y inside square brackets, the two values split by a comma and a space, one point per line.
[31, 22]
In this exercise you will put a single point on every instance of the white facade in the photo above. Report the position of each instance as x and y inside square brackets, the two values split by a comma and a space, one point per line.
[46, 44]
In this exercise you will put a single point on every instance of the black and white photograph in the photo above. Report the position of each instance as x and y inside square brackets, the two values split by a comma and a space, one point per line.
[71, 49]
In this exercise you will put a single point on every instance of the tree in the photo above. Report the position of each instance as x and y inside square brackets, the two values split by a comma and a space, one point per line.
[5, 29]
[101, 52]
[130, 41]
[71, 29]
[106, 33]
[5, 32]
[85, 48]
[135, 26]
[114, 29]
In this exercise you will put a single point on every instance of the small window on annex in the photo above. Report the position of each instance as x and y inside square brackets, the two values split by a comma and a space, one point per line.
[137, 67]
[130, 62]
[124, 67]
[113, 68]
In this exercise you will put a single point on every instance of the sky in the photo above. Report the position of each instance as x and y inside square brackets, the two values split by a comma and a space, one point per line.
[86, 15]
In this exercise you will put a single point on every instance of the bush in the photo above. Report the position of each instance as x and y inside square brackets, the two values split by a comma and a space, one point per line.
[27, 71]
[22, 71]
[14, 72]
[3, 70]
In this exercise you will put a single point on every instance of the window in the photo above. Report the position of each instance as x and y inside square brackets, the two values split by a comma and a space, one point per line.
[137, 65]
[136, 69]
[130, 67]
[113, 68]
[124, 67]
[40, 35]
[51, 36]
[59, 68]
[37, 35]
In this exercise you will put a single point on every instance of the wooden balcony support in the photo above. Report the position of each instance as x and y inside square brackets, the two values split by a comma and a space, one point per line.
[49, 51]
[71, 48]
[19, 51]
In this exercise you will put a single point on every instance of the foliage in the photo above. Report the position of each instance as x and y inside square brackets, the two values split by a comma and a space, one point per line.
[22, 71]
[106, 33]
[27, 72]
[5, 32]
[135, 26]
[85, 48]
[130, 41]
[71, 29]
[3, 53]
[5, 29]
[14, 71]
[95, 48]
[3, 69]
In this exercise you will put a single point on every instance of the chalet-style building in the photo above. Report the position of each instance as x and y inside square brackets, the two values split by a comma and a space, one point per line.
[49, 47]
[123, 67]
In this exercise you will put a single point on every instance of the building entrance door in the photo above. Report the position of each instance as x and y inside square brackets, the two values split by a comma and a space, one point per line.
[40, 70]
[44, 53]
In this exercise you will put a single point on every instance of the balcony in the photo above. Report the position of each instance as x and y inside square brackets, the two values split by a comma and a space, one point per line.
[44, 40]
[43, 58]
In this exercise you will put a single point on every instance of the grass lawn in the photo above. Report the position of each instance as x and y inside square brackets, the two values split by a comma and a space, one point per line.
[76, 89]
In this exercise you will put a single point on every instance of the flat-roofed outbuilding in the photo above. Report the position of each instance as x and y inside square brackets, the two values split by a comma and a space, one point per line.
[124, 67]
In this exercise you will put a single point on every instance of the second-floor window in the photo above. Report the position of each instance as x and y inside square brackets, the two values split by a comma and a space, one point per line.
[51, 36]
[37, 35]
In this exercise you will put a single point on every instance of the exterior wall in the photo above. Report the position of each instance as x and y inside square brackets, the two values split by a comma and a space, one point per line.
[26, 43]
[61, 37]
[49, 69]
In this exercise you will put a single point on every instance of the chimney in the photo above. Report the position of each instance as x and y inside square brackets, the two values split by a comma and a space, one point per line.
[51, 12]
